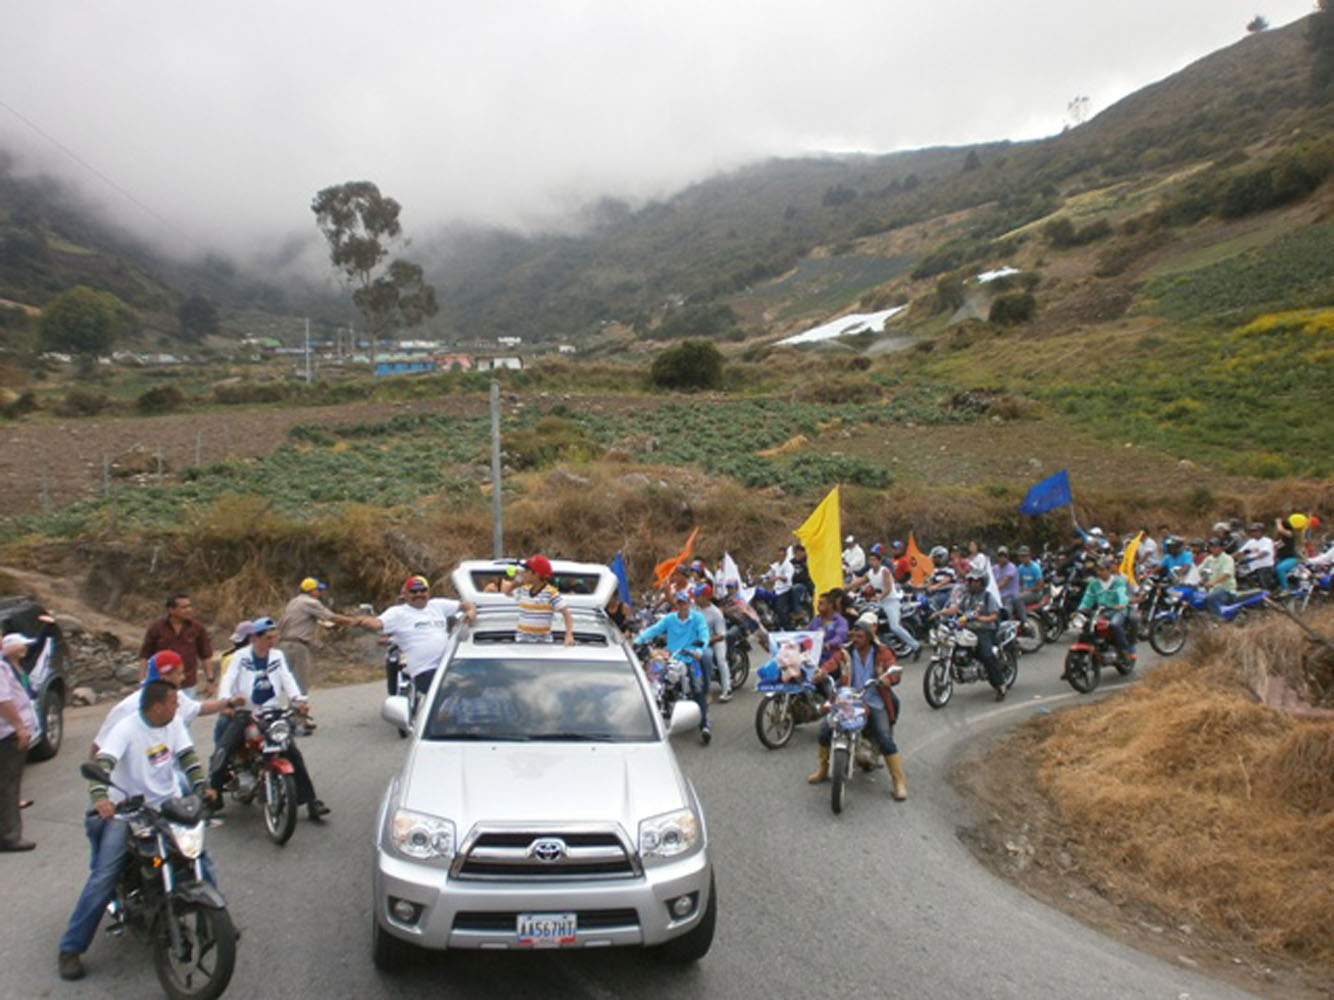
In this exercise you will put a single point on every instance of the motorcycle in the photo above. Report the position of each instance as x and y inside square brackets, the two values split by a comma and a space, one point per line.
[915, 612]
[165, 899]
[954, 659]
[1304, 582]
[1094, 649]
[738, 656]
[783, 707]
[668, 677]
[260, 769]
[848, 716]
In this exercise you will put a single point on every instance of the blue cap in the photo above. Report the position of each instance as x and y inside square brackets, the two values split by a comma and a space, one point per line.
[262, 625]
[683, 594]
[876, 549]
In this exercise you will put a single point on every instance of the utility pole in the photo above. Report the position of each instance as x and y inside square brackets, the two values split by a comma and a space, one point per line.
[307, 350]
[497, 530]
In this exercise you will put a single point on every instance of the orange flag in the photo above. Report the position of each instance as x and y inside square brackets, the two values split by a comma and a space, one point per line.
[665, 568]
[919, 561]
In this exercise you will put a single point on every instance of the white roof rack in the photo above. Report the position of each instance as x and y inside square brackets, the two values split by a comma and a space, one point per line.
[583, 585]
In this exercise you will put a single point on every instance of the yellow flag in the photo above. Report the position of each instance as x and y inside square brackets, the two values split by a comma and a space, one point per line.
[1127, 568]
[823, 540]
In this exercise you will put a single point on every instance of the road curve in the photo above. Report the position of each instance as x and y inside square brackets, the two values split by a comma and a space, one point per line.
[883, 900]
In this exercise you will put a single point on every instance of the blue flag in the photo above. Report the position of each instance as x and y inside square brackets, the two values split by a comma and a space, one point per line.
[623, 587]
[1052, 492]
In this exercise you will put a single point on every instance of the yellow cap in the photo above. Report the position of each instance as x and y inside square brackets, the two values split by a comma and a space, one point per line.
[309, 584]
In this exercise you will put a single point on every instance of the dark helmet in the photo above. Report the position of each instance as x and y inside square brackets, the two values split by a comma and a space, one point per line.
[1172, 543]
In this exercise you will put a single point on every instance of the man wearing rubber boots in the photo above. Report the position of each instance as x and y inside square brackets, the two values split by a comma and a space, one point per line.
[863, 659]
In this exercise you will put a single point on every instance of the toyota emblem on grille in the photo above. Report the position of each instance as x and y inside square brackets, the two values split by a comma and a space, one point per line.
[548, 850]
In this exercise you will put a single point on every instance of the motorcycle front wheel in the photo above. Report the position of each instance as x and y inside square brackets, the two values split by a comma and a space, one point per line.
[1029, 635]
[279, 807]
[1167, 635]
[1081, 670]
[774, 723]
[839, 769]
[203, 966]
[1009, 664]
[1052, 625]
[738, 663]
[937, 684]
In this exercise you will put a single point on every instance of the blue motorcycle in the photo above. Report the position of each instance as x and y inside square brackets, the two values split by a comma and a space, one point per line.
[1179, 605]
[848, 716]
[1304, 582]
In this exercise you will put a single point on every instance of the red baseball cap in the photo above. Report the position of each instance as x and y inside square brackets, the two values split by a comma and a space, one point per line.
[540, 565]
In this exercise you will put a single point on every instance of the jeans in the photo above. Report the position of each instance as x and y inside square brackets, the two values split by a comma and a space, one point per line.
[1118, 624]
[881, 730]
[711, 661]
[892, 607]
[107, 838]
[699, 689]
[1284, 567]
[1215, 600]
[226, 747]
[986, 652]
[785, 606]
[1016, 608]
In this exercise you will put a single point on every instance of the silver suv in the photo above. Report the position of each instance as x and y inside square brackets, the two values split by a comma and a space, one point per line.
[540, 804]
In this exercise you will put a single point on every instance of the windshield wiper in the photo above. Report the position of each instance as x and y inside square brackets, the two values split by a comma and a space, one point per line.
[576, 737]
[479, 737]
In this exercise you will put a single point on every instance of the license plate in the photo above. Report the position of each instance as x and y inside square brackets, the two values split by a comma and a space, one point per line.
[546, 929]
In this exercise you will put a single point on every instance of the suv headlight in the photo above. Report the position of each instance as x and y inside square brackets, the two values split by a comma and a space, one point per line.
[420, 837]
[669, 835]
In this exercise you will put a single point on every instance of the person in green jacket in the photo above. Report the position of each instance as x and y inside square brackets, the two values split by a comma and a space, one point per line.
[1108, 590]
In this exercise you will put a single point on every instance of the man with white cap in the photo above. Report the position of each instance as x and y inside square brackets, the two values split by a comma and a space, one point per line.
[18, 731]
[854, 559]
[297, 625]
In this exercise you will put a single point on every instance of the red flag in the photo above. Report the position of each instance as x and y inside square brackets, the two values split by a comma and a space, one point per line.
[665, 568]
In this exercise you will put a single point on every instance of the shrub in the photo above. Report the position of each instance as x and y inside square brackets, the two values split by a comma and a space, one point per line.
[160, 399]
[25, 402]
[691, 364]
[949, 293]
[551, 439]
[80, 402]
[250, 392]
[1063, 232]
[1014, 308]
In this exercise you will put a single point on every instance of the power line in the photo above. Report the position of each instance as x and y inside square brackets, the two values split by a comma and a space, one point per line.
[99, 175]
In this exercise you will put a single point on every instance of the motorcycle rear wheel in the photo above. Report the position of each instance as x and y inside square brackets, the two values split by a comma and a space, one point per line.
[937, 684]
[280, 808]
[1081, 670]
[1009, 664]
[1030, 636]
[738, 664]
[208, 939]
[838, 773]
[774, 723]
[1053, 626]
[1167, 636]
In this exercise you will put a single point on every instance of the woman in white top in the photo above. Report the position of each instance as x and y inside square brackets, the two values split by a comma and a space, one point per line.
[880, 578]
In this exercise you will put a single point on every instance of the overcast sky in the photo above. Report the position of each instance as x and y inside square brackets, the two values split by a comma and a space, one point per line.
[225, 118]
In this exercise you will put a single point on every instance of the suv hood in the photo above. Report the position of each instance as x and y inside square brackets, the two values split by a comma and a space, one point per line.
[472, 783]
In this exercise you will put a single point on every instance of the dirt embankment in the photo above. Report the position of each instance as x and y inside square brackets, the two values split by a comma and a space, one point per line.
[1182, 815]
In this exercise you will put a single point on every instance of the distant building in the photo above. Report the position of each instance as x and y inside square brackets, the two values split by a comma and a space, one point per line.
[404, 366]
[446, 362]
[566, 348]
[509, 341]
[512, 362]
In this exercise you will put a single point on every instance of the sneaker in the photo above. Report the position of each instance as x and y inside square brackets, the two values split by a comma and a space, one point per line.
[17, 845]
[317, 810]
[70, 966]
[705, 736]
[725, 696]
[1001, 692]
[916, 654]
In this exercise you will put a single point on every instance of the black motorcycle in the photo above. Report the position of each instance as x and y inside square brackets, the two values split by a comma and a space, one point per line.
[163, 897]
[738, 656]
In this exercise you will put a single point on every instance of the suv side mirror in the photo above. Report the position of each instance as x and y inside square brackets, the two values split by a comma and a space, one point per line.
[685, 717]
[395, 711]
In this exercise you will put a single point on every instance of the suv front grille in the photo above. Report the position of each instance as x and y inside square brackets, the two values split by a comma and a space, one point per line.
[505, 921]
[514, 854]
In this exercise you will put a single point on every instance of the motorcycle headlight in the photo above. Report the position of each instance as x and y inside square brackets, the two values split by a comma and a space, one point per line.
[189, 840]
[421, 837]
[670, 835]
[279, 732]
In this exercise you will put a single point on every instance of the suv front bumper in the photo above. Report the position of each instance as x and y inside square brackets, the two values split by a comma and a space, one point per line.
[482, 913]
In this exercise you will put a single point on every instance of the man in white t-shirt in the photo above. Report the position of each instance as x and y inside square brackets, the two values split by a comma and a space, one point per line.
[143, 754]
[163, 666]
[419, 627]
[1256, 555]
[854, 558]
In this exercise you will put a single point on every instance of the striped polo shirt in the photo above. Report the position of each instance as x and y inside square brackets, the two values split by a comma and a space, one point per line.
[536, 606]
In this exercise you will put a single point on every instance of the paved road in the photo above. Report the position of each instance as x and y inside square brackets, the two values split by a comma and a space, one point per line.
[882, 900]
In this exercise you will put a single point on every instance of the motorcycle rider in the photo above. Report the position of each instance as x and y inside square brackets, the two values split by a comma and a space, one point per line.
[260, 675]
[419, 627]
[880, 579]
[1030, 577]
[1006, 575]
[831, 623]
[687, 637]
[854, 558]
[142, 754]
[1176, 560]
[780, 578]
[861, 660]
[1256, 556]
[163, 666]
[1108, 590]
[715, 654]
[979, 610]
[1287, 556]
[940, 583]
[1218, 572]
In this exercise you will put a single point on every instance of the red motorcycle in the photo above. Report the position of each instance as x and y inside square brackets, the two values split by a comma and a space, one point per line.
[261, 771]
[1094, 649]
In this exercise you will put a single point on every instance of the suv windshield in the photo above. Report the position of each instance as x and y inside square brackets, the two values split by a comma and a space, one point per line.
[540, 699]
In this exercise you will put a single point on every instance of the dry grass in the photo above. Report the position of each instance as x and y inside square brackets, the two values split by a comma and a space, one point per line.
[1188, 795]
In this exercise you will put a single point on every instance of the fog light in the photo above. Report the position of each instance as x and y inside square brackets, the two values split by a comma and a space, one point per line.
[403, 911]
[682, 905]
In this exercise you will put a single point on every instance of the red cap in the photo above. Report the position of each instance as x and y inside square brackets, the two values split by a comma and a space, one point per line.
[540, 565]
